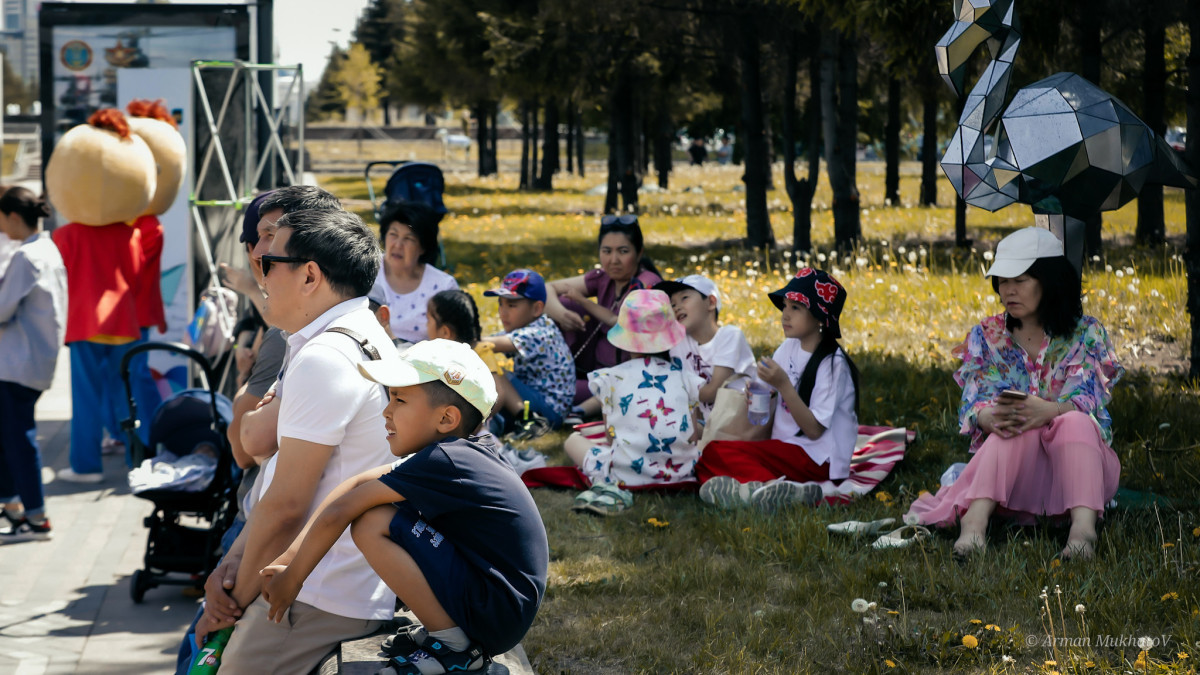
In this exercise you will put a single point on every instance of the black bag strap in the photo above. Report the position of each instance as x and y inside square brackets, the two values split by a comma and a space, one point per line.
[363, 344]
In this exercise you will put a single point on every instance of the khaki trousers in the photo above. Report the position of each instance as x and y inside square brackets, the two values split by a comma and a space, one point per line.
[294, 646]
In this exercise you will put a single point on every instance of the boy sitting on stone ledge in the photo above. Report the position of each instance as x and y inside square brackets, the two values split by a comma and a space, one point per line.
[449, 527]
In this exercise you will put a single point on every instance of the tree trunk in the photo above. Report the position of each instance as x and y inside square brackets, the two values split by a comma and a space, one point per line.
[623, 175]
[1191, 252]
[487, 153]
[550, 147]
[493, 155]
[570, 139]
[1151, 228]
[807, 186]
[524, 183]
[534, 134]
[579, 141]
[891, 144]
[385, 102]
[929, 149]
[757, 173]
[788, 112]
[839, 107]
[664, 135]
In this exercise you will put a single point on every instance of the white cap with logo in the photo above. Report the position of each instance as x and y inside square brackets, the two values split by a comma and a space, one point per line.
[452, 363]
[696, 282]
[1016, 252]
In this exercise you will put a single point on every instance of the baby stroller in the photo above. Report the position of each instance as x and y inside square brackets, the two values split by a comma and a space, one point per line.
[185, 528]
[410, 182]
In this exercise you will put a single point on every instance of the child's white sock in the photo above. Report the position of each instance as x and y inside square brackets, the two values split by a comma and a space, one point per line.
[454, 638]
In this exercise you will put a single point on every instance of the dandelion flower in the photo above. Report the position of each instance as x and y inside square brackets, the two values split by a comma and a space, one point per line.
[1196, 532]
[883, 496]
[976, 622]
[889, 663]
[894, 288]
[821, 257]
[1181, 656]
[1080, 609]
[912, 519]
[1144, 643]
[859, 605]
[892, 612]
[1169, 596]
[992, 626]
[1168, 545]
[1007, 659]
[883, 584]
[970, 641]
[988, 255]
[1120, 274]
[871, 606]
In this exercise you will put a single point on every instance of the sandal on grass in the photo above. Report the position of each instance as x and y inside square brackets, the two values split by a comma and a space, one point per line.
[472, 658]
[604, 499]
[901, 538]
[860, 527]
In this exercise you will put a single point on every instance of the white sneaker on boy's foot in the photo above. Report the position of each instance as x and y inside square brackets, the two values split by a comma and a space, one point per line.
[68, 474]
[727, 493]
[784, 493]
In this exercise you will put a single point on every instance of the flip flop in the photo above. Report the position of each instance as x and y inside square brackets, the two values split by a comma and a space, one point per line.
[860, 527]
[901, 538]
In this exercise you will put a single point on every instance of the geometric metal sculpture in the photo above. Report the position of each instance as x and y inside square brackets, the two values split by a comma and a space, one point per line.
[1064, 146]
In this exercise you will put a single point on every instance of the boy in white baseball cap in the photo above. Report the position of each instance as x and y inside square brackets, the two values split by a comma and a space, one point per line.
[449, 527]
[714, 352]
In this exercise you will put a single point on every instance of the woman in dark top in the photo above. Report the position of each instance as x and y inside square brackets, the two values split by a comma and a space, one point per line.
[584, 321]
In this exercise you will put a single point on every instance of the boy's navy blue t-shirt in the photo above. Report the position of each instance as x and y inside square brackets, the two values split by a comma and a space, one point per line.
[469, 494]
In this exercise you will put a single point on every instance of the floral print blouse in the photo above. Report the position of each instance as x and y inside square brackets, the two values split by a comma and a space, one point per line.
[1080, 369]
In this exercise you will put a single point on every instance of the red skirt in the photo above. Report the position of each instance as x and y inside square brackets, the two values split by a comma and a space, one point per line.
[759, 461]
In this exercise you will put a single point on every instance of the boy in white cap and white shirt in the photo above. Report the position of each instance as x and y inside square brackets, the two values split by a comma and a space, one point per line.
[449, 527]
[712, 351]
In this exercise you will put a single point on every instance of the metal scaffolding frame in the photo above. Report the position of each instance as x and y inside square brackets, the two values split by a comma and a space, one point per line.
[255, 109]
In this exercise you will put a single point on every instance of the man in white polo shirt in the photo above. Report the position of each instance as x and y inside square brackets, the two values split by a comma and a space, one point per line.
[316, 274]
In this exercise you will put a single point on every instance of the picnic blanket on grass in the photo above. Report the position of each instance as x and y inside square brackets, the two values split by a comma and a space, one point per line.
[876, 452]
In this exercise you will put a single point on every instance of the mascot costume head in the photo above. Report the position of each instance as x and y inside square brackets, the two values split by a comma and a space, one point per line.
[150, 121]
[101, 177]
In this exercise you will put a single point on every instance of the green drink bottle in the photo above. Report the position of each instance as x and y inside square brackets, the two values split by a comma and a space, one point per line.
[208, 659]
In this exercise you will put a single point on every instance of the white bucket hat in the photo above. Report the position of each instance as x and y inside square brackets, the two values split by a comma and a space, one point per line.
[1016, 252]
[452, 363]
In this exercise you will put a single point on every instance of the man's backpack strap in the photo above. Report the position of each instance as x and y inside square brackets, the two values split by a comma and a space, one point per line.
[363, 344]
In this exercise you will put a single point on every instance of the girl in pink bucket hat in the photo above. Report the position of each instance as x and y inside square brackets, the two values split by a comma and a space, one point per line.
[647, 404]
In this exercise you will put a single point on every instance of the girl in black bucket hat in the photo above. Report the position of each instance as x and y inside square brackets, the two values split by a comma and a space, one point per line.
[816, 418]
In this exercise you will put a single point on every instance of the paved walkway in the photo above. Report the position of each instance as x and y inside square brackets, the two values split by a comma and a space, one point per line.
[64, 603]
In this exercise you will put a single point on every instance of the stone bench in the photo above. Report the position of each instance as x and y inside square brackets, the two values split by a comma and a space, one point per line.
[363, 657]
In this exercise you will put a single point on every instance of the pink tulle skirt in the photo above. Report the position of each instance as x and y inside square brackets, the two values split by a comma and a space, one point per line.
[1042, 472]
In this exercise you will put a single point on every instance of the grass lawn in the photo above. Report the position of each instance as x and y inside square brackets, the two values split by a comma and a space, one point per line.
[700, 590]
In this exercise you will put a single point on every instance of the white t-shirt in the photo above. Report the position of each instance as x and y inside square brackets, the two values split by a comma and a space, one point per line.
[323, 399]
[408, 309]
[727, 348]
[832, 403]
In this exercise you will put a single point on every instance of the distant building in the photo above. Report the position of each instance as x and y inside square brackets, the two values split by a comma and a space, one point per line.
[19, 37]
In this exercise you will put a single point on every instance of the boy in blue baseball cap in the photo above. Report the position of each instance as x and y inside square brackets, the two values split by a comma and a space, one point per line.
[536, 395]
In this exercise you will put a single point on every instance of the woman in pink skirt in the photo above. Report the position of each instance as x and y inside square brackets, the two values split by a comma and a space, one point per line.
[1036, 380]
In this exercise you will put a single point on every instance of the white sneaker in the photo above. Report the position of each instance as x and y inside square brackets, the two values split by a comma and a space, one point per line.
[727, 493]
[523, 460]
[784, 493]
[70, 476]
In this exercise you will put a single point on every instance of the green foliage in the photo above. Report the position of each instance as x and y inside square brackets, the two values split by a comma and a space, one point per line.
[325, 101]
[356, 79]
[676, 586]
[16, 90]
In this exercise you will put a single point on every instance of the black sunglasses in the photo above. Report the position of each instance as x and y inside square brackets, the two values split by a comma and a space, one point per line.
[624, 219]
[268, 260]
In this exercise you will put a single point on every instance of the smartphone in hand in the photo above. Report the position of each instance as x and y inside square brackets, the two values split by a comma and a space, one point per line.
[1014, 395]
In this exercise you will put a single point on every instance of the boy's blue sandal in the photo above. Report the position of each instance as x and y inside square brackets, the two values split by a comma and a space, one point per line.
[470, 659]
[403, 641]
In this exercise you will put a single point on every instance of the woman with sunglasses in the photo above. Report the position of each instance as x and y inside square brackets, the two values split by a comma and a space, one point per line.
[584, 321]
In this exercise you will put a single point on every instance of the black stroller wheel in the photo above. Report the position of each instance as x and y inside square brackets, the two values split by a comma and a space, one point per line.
[138, 585]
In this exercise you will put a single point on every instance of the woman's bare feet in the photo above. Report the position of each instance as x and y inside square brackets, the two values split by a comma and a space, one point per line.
[1081, 540]
[970, 541]
[1079, 548]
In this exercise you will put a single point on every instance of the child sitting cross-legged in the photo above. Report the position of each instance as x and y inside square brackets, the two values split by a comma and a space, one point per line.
[449, 527]
[538, 393]
[712, 351]
[647, 403]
